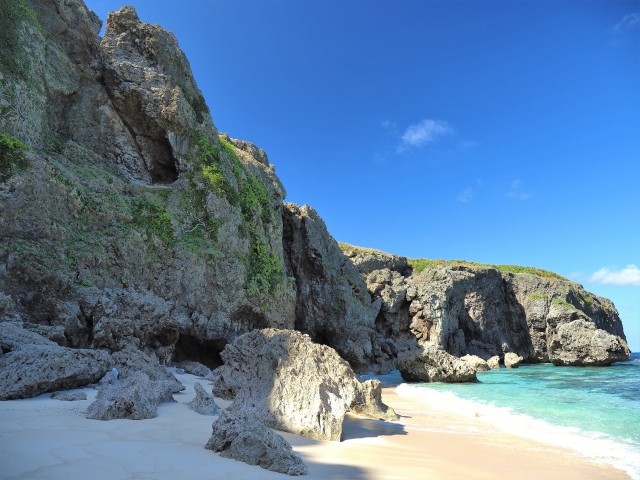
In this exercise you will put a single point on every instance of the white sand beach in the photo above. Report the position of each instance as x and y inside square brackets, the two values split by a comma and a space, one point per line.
[42, 439]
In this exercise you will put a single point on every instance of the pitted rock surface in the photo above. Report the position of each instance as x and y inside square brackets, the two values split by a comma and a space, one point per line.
[203, 403]
[332, 305]
[435, 366]
[287, 382]
[136, 397]
[35, 369]
[243, 439]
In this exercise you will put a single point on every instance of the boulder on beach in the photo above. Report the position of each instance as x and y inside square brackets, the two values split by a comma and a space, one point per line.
[512, 360]
[478, 364]
[435, 366]
[136, 397]
[494, 362]
[580, 342]
[203, 403]
[32, 370]
[287, 382]
[195, 368]
[129, 361]
[243, 439]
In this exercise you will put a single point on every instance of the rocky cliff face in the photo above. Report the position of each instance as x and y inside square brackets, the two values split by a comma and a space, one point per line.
[127, 222]
[134, 222]
[479, 310]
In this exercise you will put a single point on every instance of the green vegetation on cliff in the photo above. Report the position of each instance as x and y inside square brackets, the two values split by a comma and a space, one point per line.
[561, 303]
[12, 159]
[263, 269]
[14, 59]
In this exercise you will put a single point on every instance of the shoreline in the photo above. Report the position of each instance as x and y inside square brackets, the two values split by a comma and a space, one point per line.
[44, 438]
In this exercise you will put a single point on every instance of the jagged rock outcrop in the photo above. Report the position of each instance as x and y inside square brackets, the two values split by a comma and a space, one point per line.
[53, 333]
[130, 361]
[580, 342]
[135, 397]
[332, 304]
[13, 336]
[195, 368]
[203, 403]
[369, 260]
[478, 364]
[35, 369]
[368, 402]
[245, 440]
[435, 366]
[549, 303]
[494, 362]
[475, 310]
[286, 382]
[511, 360]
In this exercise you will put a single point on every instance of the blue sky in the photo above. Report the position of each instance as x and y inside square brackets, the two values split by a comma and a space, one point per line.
[499, 132]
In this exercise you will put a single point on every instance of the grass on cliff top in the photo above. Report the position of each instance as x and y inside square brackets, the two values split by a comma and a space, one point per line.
[419, 264]
[12, 159]
[346, 247]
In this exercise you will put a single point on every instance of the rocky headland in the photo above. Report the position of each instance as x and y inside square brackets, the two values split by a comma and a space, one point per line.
[134, 235]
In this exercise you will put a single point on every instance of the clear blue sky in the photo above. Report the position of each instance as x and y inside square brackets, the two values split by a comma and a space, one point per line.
[500, 132]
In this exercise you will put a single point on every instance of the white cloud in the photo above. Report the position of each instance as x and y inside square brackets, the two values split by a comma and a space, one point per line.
[426, 131]
[466, 195]
[630, 275]
[516, 192]
[469, 144]
[628, 21]
[519, 196]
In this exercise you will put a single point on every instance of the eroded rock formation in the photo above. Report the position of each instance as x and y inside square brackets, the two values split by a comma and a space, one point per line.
[135, 397]
[203, 403]
[332, 304]
[285, 381]
[479, 311]
[244, 439]
[435, 366]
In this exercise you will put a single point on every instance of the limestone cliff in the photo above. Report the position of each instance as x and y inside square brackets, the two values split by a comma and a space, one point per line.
[467, 308]
[131, 222]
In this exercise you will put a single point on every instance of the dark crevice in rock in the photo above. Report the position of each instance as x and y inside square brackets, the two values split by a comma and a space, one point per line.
[249, 318]
[206, 352]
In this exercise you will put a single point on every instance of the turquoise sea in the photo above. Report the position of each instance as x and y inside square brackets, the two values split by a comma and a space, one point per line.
[594, 411]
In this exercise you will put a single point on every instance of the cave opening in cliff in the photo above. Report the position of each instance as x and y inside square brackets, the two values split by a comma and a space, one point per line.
[206, 352]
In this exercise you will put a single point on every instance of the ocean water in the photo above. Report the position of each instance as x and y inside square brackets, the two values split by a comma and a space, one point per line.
[593, 411]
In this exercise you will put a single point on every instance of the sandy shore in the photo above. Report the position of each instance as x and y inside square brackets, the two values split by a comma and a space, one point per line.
[41, 438]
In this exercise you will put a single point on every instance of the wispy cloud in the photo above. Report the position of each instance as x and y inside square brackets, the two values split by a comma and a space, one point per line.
[468, 144]
[630, 275]
[516, 192]
[519, 196]
[426, 131]
[628, 21]
[466, 195]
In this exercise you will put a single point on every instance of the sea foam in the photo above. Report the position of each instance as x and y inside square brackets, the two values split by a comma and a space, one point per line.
[598, 447]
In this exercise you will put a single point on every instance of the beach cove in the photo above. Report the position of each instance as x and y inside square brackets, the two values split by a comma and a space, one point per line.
[42, 438]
